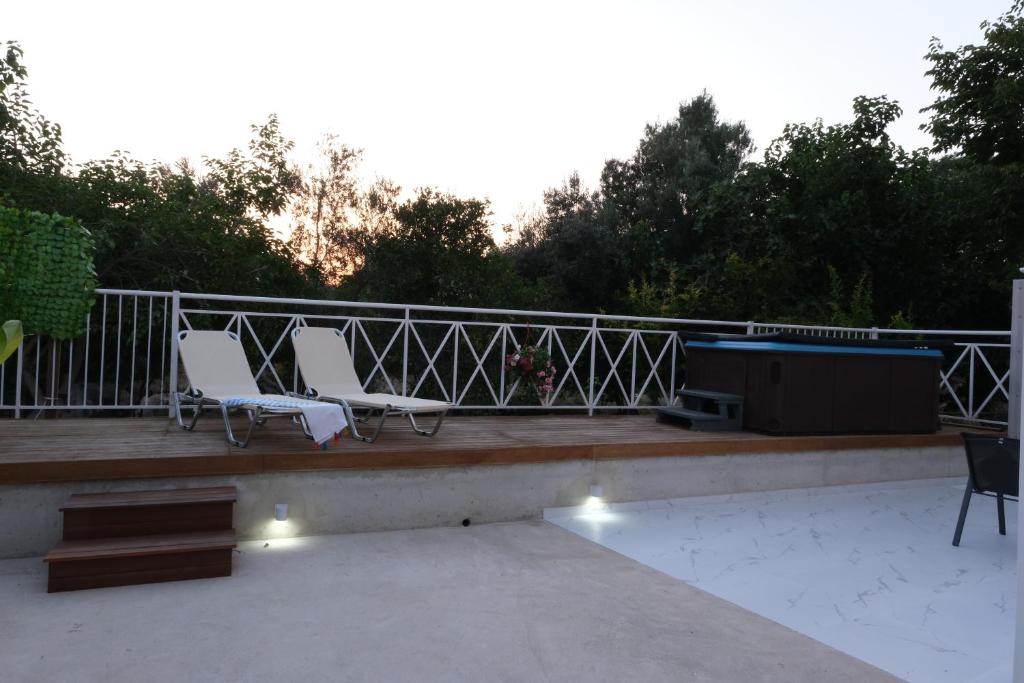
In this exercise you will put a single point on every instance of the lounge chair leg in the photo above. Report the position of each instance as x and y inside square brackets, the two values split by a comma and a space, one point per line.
[300, 419]
[1002, 514]
[423, 432]
[197, 407]
[352, 425]
[229, 434]
[963, 512]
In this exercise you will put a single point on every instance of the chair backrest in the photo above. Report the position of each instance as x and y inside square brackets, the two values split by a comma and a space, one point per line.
[994, 463]
[215, 363]
[324, 360]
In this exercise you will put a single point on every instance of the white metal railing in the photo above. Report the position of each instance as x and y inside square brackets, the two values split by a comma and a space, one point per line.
[127, 358]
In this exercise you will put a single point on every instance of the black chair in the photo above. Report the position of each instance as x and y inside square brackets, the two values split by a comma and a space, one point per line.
[993, 465]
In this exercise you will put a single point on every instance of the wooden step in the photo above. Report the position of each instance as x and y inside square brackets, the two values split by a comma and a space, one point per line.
[140, 513]
[98, 563]
[148, 498]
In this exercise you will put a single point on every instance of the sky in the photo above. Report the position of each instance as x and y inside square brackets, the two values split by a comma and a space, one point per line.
[486, 100]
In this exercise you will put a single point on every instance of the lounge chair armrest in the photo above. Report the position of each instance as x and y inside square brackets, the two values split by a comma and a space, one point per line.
[310, 394]
[190, 398]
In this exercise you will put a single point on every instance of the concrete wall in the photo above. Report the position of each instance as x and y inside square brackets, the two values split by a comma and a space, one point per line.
[375, 500]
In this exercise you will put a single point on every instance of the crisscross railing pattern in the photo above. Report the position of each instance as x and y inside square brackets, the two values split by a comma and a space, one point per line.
[977, 381]
[127, 360]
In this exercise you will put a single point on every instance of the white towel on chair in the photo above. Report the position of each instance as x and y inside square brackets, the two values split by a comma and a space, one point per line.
[323, 419]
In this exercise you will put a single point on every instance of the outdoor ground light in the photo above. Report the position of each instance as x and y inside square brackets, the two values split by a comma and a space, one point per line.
[596, 498]
[281, 512]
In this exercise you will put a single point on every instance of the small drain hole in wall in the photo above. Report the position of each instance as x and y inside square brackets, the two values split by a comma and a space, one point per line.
[465, 522]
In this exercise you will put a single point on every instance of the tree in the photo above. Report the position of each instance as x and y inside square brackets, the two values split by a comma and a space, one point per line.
[333, 220]
[323, 214]
[28, 140]
[167, 227]
[830, 208]
[439, 250]
[262, 181]
[980, 107]
[573, 249]
[156, 226]
[639, 229]
[434, 253]
[661, 187]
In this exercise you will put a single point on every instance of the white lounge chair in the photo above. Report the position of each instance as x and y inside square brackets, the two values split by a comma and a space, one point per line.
[219, 377]
[327, 370]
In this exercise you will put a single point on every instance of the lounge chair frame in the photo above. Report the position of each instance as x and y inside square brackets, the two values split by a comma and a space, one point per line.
[389, 410]
[257, 415]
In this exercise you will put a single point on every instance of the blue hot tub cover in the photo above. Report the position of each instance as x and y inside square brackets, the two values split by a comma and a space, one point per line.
[799, 343]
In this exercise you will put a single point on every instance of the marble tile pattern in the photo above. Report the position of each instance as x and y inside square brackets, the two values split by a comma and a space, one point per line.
[868, 569]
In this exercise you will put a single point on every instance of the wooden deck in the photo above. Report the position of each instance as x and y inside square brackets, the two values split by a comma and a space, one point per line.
[50, 450]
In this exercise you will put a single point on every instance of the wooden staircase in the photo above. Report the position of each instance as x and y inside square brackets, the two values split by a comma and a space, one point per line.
[705, 411]
[119, 539]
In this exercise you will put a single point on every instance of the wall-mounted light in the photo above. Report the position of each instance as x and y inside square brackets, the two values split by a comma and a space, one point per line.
[281, 512]
[596, 498]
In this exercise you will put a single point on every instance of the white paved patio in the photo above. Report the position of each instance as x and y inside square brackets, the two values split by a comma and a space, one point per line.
[867, 569]
[504, 602]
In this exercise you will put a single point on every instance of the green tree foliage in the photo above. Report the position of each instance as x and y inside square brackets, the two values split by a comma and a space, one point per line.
[157, 226]
[834, 224]
[333, 220]
[323, 223]
[592, 246]
[47, 279]
[262, 181]
[979, 109]
[439, 250]
[828, 205]
[654, 198]
[28, 140]
[573, 249]
[168, 227]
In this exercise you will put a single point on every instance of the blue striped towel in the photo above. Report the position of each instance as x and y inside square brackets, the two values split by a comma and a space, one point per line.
[323, 419]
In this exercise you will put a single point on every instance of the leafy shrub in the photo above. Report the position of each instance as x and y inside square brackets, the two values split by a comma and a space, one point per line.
[47, 278]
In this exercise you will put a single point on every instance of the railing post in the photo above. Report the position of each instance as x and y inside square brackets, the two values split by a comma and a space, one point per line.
[172, 382]
[672, 370]
[750, 327]
[455, 364]
[504, 351]
[1016, 354]
[17, 381]
[593, 364]
[405, 354]
[970, 380]
[634, 400]
[874, 333]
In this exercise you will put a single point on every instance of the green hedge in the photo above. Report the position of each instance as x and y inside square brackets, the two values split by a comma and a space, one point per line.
[47, 277]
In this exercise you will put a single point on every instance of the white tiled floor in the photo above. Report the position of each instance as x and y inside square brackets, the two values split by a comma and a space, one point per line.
[867, 569]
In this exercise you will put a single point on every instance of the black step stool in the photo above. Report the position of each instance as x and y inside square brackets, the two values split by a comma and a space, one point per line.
[705, 411]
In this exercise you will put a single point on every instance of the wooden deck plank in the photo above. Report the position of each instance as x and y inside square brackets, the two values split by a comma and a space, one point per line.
[50, 450]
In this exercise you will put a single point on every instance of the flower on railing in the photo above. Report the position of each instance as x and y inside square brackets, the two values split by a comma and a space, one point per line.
[532, 366]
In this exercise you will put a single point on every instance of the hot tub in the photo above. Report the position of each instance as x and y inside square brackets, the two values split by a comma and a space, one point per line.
[794, 385]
